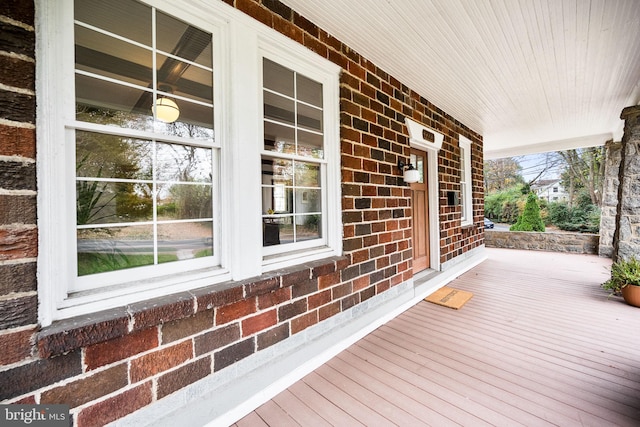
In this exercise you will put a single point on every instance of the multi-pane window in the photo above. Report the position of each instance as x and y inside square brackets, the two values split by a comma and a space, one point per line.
[142, 163]
[144, 138]
[293, 159]
[466, 201]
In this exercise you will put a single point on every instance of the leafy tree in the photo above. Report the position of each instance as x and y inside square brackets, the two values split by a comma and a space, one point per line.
[500, 174]
[530, 220]
[502, 206]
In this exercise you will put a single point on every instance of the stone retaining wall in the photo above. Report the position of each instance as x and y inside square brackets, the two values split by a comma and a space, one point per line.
[554, 242]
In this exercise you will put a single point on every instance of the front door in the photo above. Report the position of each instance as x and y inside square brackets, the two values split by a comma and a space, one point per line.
[420, 214]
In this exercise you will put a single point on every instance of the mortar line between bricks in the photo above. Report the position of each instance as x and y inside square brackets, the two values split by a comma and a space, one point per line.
[4, 192]
[17, 261]
[15, 23]
[16, 295]
[17, 90]
[16, 124]
[20, 159]
[17, 56]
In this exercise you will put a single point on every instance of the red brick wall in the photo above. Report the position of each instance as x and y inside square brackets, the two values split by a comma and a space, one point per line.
[110, 364]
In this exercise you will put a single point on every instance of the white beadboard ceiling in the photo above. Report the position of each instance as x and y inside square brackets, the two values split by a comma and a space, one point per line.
[529, 75]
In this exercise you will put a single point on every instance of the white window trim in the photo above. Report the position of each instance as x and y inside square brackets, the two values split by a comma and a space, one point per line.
[239, 44]
[467, 197]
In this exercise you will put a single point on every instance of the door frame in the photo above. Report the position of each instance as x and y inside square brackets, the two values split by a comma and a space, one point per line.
[431, 146]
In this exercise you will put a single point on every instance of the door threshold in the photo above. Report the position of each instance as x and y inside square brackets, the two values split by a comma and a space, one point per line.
[424, 276]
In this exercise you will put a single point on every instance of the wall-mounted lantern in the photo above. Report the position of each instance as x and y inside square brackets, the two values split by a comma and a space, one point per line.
[409, 173]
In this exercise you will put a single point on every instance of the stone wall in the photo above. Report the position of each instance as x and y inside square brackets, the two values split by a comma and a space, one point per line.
[613, 154]
[626, 239]
[553, 242]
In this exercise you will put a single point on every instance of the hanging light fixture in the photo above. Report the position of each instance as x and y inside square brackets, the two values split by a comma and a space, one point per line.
[166, 110]
[410, 174]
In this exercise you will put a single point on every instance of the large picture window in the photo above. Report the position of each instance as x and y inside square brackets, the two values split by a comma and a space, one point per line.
[143, 198]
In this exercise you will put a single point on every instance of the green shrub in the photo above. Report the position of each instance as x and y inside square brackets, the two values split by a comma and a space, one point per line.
[584, 218]
[502, 206]
[530, 220]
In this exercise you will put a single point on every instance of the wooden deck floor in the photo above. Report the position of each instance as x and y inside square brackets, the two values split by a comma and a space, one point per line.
[538, 344]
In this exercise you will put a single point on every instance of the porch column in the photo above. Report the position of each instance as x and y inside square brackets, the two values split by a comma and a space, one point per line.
[609, 207]
[626, 238]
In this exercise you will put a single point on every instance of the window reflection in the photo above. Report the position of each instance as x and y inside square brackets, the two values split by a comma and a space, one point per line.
[140, 201]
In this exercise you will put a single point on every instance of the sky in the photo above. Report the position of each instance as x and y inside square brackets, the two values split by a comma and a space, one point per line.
[532, 165]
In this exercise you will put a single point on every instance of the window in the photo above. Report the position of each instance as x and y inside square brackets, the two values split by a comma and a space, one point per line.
[466, 200]
[555, 189]
[293, 164]
[144, 143]
[146, 198]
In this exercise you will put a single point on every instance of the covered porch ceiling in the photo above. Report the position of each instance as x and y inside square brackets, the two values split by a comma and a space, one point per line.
[529, 75]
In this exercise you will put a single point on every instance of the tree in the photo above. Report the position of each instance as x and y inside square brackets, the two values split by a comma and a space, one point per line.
[584, 169]
[546, 162]
[530, 220]
[500, 174]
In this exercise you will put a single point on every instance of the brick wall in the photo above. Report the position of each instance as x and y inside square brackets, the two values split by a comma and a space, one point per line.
[18, 232]
[111, 363]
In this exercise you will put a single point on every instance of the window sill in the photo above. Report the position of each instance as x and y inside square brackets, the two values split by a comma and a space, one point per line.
[71, 334]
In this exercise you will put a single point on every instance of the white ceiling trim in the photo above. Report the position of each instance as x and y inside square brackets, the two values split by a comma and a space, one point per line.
[544, 147]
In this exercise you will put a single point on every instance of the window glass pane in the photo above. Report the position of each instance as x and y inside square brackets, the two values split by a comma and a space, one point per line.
[278, 108]
[184, 163]
[279, 138]
[309, 117]
[98, 101]
[110, 57]
[277, 199]
[285, 228]
[183, 40]
[310, 144]
[307, 174]
[108, 156]
[277, 78]
[184, 240]
[277, 171]
[100, 202]
[182, 78]
[418, 162]
[276, 231]
[308, 227]
[127, 18]
[308, 200]
[184, 201]
[308, 91]
[115, 248]
[195, 122]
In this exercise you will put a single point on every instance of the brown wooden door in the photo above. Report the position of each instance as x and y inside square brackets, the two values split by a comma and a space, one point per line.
[420, 213]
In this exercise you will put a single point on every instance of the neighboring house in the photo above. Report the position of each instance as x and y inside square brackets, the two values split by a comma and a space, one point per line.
[551, 190]
[148, 259]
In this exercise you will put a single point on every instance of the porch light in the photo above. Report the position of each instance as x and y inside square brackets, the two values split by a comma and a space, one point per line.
[410, 174]
[166, 110]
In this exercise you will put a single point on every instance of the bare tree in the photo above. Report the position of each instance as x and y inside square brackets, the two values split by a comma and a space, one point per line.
[547, 163]
[584, 169]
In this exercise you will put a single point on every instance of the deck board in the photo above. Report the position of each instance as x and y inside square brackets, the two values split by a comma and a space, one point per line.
[539, 344]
